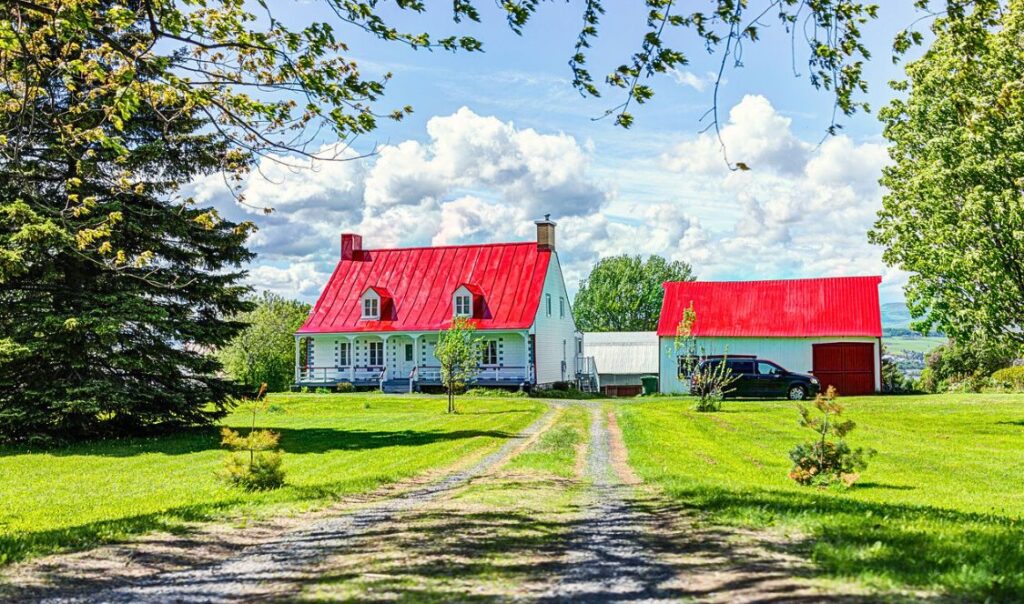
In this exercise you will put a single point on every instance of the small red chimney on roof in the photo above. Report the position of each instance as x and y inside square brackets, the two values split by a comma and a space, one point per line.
[351, 245]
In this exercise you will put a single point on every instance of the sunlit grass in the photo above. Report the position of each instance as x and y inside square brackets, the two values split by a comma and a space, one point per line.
[939, 508]
[333, 445]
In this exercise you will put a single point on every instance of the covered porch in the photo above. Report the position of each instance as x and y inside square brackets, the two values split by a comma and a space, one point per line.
[405, 361]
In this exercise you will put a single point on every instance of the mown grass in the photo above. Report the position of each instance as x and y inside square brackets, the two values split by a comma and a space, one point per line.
[939, 508]
[90, 493]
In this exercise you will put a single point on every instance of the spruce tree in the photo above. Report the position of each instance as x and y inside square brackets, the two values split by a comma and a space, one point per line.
[113, 289]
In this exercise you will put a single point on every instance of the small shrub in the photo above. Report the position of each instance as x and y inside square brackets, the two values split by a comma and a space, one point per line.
[304, 389]
[345, 387]
[563, 386]
[255, 462]
[1010, 378]
[827, 460]
[323, 390]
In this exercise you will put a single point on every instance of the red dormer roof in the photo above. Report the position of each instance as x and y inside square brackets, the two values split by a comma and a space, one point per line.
[421, 281]
[472, 289]
[839, 306]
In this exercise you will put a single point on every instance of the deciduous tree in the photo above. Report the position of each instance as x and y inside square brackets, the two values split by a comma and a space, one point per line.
[264, 351]
[954, 212]
[458, 352]
[623, 293]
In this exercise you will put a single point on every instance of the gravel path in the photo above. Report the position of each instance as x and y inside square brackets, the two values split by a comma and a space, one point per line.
[276, 568]
[607, 559]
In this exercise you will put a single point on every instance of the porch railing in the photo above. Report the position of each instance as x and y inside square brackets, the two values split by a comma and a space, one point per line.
[329, 374]
[505, 373]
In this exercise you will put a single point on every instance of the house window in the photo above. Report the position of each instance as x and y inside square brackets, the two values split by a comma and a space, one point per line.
[408, 353]
[463, 306]
[489, 353]
[376, 354]
[547, 301]
[371, 310]
[561, 307]
[344, 354]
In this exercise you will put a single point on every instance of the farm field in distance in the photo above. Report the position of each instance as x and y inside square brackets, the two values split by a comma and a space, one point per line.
[83, 495]
[938, 510]
[922, 344]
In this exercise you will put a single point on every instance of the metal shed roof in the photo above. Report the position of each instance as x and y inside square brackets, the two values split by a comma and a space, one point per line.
[834, 306]
[420, 282]
[622, 352]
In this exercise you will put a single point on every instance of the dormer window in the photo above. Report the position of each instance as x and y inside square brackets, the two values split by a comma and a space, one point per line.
[467, 301]
[463, 305]
[371, 308]
[375, 304]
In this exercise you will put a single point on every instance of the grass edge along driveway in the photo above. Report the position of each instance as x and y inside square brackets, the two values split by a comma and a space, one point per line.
[939, 510]
[92, 493]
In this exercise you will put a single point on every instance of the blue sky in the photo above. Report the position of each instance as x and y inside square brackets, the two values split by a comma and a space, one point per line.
[500, 138]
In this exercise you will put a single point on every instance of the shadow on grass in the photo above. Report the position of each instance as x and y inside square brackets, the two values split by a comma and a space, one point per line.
[971, 557]
[15, 547]
[293, 440]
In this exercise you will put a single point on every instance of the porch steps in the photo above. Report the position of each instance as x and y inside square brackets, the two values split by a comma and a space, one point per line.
[395, 386]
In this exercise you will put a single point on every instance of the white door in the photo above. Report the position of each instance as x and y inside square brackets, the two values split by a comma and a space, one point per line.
[404, 358]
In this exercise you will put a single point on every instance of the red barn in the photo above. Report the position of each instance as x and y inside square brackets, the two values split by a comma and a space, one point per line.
[830, 327]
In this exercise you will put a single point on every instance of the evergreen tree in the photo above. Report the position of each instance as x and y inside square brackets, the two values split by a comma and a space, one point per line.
[113, 289]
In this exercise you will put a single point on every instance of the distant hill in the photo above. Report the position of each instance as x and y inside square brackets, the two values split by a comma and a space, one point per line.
[900, 340]
[895, 315]
[896, 320]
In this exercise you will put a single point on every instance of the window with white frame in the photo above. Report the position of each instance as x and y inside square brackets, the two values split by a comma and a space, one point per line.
[376, 358]
[547, 302]
[489, 353]
[561, 307]
[463, 305]
[344, 354]
[371, 308]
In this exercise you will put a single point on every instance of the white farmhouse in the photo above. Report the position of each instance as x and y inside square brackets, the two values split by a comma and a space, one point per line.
[830, 328]
[377, 321]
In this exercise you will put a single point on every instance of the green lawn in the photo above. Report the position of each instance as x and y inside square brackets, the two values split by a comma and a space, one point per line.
[940, 508]
[334, 444]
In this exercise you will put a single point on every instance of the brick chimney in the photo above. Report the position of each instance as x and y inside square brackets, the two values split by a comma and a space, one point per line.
[546, 234]
[351, 245]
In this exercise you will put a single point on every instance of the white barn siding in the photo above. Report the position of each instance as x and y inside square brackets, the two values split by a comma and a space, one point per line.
[553, 332]
[794, 354]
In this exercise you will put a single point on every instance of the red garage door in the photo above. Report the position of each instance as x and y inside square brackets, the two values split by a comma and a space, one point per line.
[849, 366]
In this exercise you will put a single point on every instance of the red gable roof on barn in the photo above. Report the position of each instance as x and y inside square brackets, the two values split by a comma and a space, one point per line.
[839, 306]
[421, 282]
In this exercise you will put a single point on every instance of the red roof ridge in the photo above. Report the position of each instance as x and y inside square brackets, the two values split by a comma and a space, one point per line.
[445, 247]
[802, 279]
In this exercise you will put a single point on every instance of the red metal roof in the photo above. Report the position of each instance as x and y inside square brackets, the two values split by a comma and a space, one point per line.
[838, 306]
[421, 282]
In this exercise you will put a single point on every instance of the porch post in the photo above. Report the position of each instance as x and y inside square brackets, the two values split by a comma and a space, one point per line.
[298, 339]
[526, 355]
[351, 359]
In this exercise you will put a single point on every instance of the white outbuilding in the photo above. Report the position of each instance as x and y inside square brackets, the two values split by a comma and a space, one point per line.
[621, 358]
